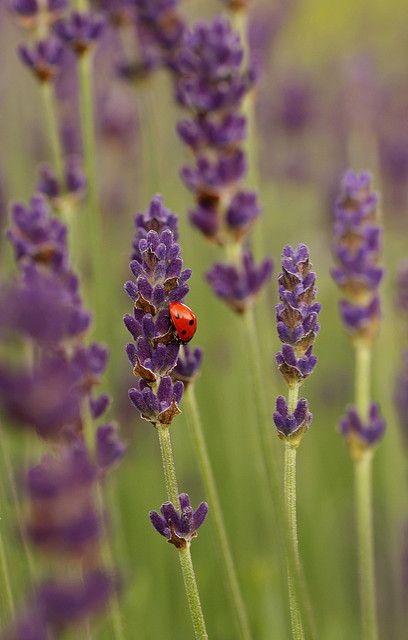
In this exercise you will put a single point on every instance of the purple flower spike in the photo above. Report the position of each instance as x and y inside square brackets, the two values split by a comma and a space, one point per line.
[238, 287]
[68, 602]
[362, 435]
[212, 85]
[63, 517]
[357, 247]
[80, 31]
[159, 280]
[44, 58]
[210, 68]
[180, 525]
[292, 426]
[297, 315]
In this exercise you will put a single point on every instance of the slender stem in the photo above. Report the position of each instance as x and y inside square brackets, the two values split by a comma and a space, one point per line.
[363, 493]
[264, 420]
[168, 464]
[5, 453]
[196, 429]
[363, 489]
[93, 213]
[290, 502]
[5, 574]
[363, 379]
[187, 568]
[53, 128]
[193, 596]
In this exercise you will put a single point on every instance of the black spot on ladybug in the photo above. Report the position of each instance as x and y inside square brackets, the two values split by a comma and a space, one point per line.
[183, 333]
[191, 323]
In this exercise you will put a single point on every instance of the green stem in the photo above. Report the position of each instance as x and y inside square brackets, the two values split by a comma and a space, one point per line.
[363, 489]
[7, 590]
[187, 568]
[53, 128]
[6, 456]
[290, 502]
[93, 213]
[363, 493]
[193, 596]
[264, 420]
[195, 425]
[168, 464]
[363, 379]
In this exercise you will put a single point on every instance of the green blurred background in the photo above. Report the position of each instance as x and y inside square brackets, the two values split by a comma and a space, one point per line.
[323, 43]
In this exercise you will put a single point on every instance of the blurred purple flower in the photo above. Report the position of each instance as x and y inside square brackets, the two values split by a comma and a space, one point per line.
[360, 434]
[162, 27]
[239, 285]
[63, 517]
[74, 183]
[80, 31]
[109, 447]
[44, 58]
[357, 237]
[179, 525]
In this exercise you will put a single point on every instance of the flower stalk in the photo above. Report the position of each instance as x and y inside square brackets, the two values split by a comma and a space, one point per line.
[196, 429]
[358, 273]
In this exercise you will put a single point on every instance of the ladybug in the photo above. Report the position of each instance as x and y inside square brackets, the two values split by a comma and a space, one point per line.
[184, 321]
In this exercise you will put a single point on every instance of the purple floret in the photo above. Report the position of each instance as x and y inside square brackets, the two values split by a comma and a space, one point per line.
[179, 525]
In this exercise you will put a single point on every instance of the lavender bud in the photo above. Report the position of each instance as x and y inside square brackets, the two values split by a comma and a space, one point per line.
[80, 31]
[357, 249]
[292, 426]
[109, 448]
[361, 436]
[180, 525]
[239, 286]
[188, 365]
[44, 58]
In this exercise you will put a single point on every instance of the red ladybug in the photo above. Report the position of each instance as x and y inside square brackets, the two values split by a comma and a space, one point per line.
[184, 321]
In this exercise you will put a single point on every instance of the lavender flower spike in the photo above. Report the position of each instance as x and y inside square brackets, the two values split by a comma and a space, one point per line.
[297, 315]
[357, 250]
[159, 280]
[179, 526]
[362, 436]
[80, 31]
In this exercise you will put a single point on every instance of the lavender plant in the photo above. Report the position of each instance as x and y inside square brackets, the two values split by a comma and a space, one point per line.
[65, 515]
[159, 280]
[297, 325]
[357, 248]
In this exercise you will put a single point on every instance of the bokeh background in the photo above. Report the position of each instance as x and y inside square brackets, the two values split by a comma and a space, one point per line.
[333, 93]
